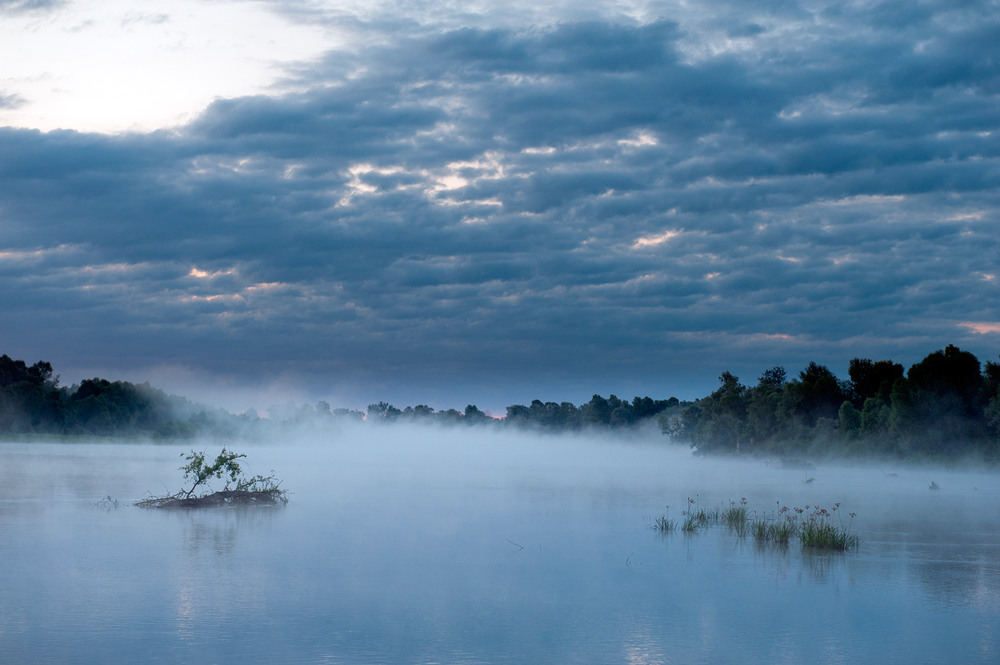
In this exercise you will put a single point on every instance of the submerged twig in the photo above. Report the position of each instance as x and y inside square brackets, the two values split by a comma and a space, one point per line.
[107, 502]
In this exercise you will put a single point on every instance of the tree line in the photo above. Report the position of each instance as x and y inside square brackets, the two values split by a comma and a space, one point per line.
[946, 405]
[32, 402]
[603, 412]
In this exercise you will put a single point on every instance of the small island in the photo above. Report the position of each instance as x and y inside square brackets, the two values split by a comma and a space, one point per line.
[238, 490]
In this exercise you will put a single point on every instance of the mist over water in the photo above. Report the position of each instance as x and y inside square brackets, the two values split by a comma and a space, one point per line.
[468, 545]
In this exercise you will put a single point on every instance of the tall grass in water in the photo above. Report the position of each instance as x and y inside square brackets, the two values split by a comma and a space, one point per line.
[778, 529]
[695, 517]
[736, 517]
[781, 531]
[817, 530]
[663, 523]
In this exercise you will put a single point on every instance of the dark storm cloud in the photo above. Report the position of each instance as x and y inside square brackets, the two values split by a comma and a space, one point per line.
[611, 204]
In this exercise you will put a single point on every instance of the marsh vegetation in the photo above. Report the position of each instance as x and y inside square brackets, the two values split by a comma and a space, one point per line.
[815, 527]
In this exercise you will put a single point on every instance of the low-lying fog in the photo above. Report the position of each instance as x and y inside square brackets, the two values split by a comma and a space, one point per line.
[407, 544]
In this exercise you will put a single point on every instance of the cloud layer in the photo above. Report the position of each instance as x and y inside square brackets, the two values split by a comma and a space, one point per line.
[469, 207]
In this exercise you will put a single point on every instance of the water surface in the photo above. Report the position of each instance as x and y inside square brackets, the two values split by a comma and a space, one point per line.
[463, 547]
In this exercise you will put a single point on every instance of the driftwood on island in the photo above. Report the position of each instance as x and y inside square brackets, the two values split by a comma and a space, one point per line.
[220, 498]
[238, 491]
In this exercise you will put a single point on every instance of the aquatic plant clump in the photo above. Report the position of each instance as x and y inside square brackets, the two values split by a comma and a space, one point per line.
[736, 517]
[664, 524]
[693, 521]
[695, 517]
[238, 490]
[819, 531]
[779, 532]
[813, 526]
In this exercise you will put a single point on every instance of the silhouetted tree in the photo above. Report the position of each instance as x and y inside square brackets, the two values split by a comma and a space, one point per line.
[817, 394]
[723, 416]
[598, 410]
[947, 393]
[763, 407]
[517, 414]
[873, 379]
[382, 412]
[473, 415]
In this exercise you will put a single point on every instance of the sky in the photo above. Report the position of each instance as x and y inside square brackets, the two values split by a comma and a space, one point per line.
[444, 203]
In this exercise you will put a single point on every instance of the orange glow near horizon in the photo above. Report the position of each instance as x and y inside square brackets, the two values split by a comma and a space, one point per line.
[981, 327]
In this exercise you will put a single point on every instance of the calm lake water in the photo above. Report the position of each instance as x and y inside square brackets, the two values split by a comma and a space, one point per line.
[469, 547]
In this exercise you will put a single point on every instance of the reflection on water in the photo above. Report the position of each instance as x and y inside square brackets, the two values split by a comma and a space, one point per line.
[459, 547]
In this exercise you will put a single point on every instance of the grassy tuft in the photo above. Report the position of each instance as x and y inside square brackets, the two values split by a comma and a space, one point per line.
[695, 517]
[781, 532]
[736, 517]
[758, 528]
[664, 524]
[818, 530]
[691, 522]
[815, 527]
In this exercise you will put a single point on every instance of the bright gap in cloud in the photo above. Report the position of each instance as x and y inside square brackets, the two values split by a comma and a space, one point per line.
[981, 327]
[36, 254]
[204, 274]
[124, 65]
[654, 240]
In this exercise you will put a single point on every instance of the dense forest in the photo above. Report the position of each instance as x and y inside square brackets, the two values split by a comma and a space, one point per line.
[32, 402]
[945, 406]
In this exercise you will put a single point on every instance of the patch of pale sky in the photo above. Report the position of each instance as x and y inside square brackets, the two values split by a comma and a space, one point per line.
[235, 295]
[844, 258]
[117, 66]
[493, 202]
[788, 259]
[541, 150]
[35, 254]
[865, 200]
[982, 327]
[511, 13]
[454, 176]
[640, 139]
[356, 186]
[771, 336]
[205, 274]
[116, 269]
[656, 239]
[965, 217]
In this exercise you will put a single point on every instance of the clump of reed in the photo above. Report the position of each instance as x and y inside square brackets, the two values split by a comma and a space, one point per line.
[696, 517]
[663, 523]
[815, 527]
[818, 530]
[736, 517]
[778, 529]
